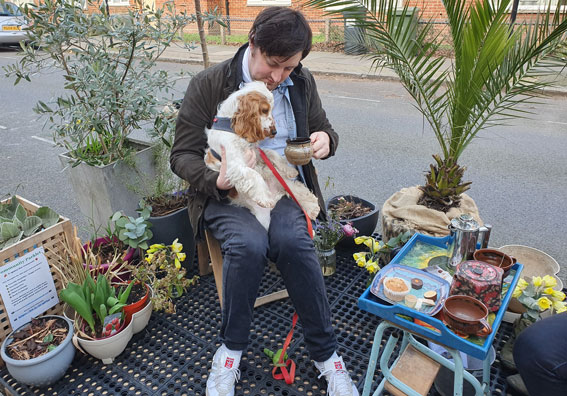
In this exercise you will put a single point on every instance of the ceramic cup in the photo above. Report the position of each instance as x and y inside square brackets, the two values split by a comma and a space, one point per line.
[466, 315]
[496, 258]
[298, 150]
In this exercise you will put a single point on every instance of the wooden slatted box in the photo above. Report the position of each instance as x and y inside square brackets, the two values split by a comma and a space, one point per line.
[52, 240]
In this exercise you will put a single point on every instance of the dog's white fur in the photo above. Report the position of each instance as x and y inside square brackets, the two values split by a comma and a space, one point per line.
[257, 188]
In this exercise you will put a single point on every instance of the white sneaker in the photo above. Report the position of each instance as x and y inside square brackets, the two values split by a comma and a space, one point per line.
[337, 376]
[224, 372]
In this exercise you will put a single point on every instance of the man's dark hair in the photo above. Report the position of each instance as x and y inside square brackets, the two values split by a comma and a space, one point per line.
[282, 32]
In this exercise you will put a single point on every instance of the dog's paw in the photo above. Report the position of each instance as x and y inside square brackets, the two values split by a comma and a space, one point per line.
[290, 173]
[312, 210]
[266, 202]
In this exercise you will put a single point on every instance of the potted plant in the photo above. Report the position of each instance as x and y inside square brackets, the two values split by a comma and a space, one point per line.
[327, 234]
[379, 253]
[16, 223]
[100, 324]
[39, 352]
[112, 89]
[497, 66]
[161, 269]
[362, 214]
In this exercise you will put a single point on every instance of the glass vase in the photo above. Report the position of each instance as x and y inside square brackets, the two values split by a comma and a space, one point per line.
[328, 261]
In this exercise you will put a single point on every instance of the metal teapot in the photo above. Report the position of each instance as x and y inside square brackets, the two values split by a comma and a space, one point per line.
[465, 233]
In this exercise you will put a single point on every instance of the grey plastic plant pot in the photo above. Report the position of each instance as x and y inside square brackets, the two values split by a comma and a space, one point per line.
[43, 370]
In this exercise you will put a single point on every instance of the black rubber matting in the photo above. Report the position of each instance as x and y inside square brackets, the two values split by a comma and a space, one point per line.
[172, 355]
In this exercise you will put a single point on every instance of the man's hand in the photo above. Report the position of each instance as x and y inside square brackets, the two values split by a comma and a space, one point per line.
[222, 182]
[321, 143]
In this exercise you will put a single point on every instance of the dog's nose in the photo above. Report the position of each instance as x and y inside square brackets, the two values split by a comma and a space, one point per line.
[273, 130]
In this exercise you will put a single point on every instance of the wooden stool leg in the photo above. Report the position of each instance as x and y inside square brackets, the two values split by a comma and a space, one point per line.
[216, 261]
[203, 258]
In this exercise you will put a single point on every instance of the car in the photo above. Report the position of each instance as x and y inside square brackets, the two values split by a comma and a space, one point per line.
[12, 24]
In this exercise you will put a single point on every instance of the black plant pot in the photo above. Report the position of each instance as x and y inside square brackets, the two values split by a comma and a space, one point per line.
[175, 225]
[364, 224]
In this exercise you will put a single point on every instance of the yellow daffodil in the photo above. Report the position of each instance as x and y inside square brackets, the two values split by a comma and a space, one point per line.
[360, 258]
[549, 281]
[371, 266]
[149, 258]
[177, 263]
[517, 292]
[548, 290]
[544, 303]
[155, 247]
[176, 247]
[559, 306]
[359, 240]
[557, 295]
[522, 284]
[537, 281]
[181, 256]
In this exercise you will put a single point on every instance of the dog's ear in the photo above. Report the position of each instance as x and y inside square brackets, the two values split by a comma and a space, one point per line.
[247, 122]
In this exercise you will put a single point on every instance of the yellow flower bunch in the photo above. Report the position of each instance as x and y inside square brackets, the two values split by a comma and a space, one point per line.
[538, 295]
[368, 260]
[161, 269]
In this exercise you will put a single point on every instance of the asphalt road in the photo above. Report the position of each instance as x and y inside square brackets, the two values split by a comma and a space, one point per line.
[518, 172]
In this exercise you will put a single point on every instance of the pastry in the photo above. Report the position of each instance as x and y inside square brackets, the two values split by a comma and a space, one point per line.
[396, 288]
[430, 295]
[416, 283]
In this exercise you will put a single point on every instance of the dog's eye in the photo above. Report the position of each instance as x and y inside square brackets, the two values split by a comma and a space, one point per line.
[265, 110]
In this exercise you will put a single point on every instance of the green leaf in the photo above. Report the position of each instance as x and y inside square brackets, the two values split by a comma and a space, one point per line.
[31, 225]
[51, 347]
[48, 216]
[20, 213]
[9, 231]
[48, 338]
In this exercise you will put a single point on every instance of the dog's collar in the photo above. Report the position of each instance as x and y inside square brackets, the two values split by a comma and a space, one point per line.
[222, 124]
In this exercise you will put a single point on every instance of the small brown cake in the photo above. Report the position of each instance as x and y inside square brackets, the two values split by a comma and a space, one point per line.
[396, 288]
[416, 283]
[430, 295]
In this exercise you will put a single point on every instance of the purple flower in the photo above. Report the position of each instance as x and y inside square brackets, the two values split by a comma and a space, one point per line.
[349, 230]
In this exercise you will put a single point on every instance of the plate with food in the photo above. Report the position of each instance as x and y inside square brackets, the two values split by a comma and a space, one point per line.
[411, 287]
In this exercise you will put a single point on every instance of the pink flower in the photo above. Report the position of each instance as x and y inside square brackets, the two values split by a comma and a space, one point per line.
[349, 230]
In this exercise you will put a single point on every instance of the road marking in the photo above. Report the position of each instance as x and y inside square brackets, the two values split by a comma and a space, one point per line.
[557, 122]
[3, 127]
[350, 97]
[43, 140]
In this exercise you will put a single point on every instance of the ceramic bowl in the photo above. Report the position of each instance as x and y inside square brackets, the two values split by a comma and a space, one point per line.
[467, 315]
[496, 258]
[298, 151]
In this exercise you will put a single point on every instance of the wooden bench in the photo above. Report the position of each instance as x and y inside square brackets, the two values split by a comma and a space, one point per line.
[212, 250]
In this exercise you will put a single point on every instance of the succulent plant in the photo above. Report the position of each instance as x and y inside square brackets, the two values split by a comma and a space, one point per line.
[15, 223]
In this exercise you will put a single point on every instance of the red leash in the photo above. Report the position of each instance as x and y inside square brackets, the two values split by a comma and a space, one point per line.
[286, 374]
[284, 184]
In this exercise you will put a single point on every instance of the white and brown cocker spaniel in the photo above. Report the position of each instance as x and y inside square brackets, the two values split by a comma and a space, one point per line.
[243, 120]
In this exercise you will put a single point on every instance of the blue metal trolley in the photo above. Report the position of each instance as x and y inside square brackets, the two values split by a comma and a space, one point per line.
[442, 335]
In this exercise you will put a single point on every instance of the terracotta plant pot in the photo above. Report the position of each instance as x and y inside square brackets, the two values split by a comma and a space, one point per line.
[467, 315]
[45, 369]
[131, 309]
[496, 258]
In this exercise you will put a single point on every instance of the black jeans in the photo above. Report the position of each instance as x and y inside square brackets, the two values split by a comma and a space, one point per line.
[540, 354]
[246, 248]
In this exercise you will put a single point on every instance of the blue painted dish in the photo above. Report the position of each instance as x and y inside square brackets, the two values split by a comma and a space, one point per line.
[430, 282]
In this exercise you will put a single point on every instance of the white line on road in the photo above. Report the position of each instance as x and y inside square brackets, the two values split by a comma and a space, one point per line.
[43, 140]
[3, 127]
[350, 97]
[557, 122]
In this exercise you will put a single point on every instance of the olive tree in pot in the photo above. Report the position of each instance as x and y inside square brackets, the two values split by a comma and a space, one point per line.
[496, 67]
[112, 89]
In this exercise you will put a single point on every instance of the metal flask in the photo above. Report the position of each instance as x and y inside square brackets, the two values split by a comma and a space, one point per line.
[465, 232]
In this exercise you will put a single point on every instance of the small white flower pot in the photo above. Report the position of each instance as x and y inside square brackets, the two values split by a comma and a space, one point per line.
[106, 349]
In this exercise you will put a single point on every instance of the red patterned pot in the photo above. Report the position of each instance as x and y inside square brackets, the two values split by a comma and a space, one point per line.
[479, 280]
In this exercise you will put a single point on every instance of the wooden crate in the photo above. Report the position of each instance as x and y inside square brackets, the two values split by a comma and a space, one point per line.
[52, 240]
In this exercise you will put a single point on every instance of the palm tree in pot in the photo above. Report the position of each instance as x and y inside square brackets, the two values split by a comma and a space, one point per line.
[497, 66]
